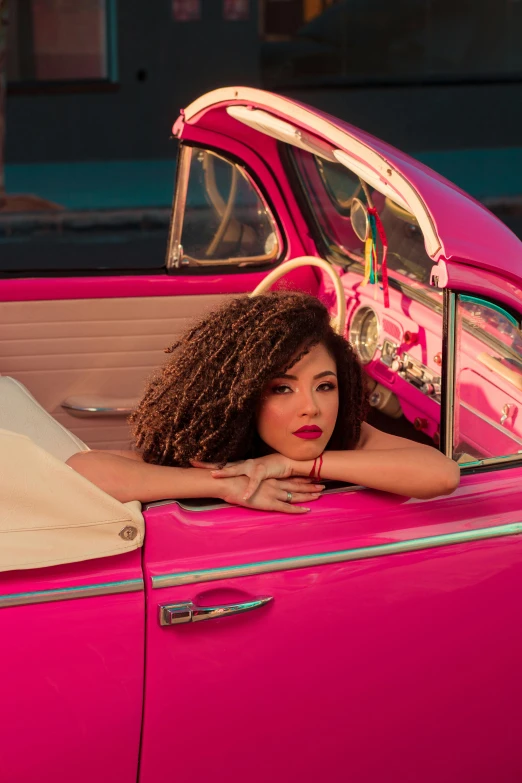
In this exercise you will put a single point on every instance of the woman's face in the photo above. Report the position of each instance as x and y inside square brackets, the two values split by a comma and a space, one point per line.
[298, 410]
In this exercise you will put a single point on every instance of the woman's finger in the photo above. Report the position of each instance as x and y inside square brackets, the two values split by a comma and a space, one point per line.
[208, 465]
[299, 497]
[287, 508]
[231, 470]
[292, 485]
[215, 465]
[242, 468]
[256, 477]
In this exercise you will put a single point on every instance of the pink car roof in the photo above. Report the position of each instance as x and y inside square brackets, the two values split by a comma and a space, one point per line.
[467, 230]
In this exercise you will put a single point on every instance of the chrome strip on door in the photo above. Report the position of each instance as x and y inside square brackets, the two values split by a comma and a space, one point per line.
[342, 556]
[68, 593]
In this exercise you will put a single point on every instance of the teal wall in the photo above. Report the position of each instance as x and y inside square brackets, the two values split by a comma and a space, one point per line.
[484, 173]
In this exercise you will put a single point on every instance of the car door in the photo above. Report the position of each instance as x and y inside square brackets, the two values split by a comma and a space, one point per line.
[72, 661]
[85, 333]
[373, 639]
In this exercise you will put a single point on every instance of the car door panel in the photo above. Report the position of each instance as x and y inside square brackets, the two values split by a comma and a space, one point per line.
[72, 658]
[390, 630]
[101, 348]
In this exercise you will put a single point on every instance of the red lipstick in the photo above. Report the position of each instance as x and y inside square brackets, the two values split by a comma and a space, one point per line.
[309, 432]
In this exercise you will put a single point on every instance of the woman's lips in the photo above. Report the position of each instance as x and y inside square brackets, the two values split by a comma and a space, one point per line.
[308, 433]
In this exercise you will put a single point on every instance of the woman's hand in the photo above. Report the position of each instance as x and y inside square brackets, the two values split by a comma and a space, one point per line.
[273, 466]
[270, 494]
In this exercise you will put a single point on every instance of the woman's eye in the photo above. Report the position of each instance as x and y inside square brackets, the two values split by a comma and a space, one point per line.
[327, 386]
[281, 389]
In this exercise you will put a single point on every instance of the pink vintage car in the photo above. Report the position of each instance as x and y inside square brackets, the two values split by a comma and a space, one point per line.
[378, 638]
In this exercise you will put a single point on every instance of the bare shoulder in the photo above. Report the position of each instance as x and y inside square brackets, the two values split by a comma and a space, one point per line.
[127, 453]
[372, 438]
[97, 454]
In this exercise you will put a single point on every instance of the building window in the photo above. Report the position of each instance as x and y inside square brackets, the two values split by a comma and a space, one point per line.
[60, 41]
[308, 43]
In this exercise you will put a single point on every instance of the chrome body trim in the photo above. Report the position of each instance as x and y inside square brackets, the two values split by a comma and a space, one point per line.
[327, 558]
[173, 259]
[211, 504]
[449, 331]
[68, 593]
[188, 612]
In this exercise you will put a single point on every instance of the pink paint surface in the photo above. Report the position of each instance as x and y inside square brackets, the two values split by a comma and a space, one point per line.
[482, 282]
[366, 666]
[73, 676]
[38, 289]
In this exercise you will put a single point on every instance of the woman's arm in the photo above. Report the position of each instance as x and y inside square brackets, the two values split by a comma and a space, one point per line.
[125, 476]
[392, 464]
[380, 461]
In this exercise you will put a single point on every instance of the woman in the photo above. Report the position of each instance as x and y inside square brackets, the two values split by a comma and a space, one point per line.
[266, 384]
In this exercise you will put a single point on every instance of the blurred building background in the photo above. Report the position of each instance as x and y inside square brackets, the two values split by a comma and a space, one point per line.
[94, 86]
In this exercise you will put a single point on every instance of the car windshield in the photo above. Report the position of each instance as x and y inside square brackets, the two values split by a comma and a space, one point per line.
[329, 188]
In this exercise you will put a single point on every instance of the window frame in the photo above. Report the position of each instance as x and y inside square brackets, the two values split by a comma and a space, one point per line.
[173, 263]
[448, 385]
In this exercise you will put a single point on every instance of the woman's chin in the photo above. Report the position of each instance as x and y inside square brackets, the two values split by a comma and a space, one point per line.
[303, 450]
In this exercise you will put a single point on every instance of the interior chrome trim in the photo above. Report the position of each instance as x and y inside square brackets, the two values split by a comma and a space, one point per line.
[494, 424]
[68, 593]
[354, 331]
[327, 558]
[97, 410]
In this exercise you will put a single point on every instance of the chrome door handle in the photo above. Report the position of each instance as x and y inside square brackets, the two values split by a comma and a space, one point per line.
[188, 612]
[98, 406]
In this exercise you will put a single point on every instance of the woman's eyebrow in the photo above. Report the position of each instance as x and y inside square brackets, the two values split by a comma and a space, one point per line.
[295, 378]
[322, 374]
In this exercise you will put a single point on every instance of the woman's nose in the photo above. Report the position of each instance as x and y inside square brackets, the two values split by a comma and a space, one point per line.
[308, 406]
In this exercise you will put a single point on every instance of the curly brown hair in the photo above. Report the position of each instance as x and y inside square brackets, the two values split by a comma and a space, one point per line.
[202, 404]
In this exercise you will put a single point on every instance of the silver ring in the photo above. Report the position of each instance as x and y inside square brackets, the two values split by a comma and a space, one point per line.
[288, 497]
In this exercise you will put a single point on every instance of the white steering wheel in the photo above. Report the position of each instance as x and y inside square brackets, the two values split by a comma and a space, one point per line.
[338, 320]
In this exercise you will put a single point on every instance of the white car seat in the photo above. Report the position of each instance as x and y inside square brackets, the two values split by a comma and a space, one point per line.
[21, 413]
[49, 513]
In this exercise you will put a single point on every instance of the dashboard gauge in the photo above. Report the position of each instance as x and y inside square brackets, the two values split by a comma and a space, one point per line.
[364, 333]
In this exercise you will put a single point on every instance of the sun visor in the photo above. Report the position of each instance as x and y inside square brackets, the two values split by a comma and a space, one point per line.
[281, 130]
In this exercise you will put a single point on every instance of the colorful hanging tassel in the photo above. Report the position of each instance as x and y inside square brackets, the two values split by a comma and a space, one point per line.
[371, 272]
